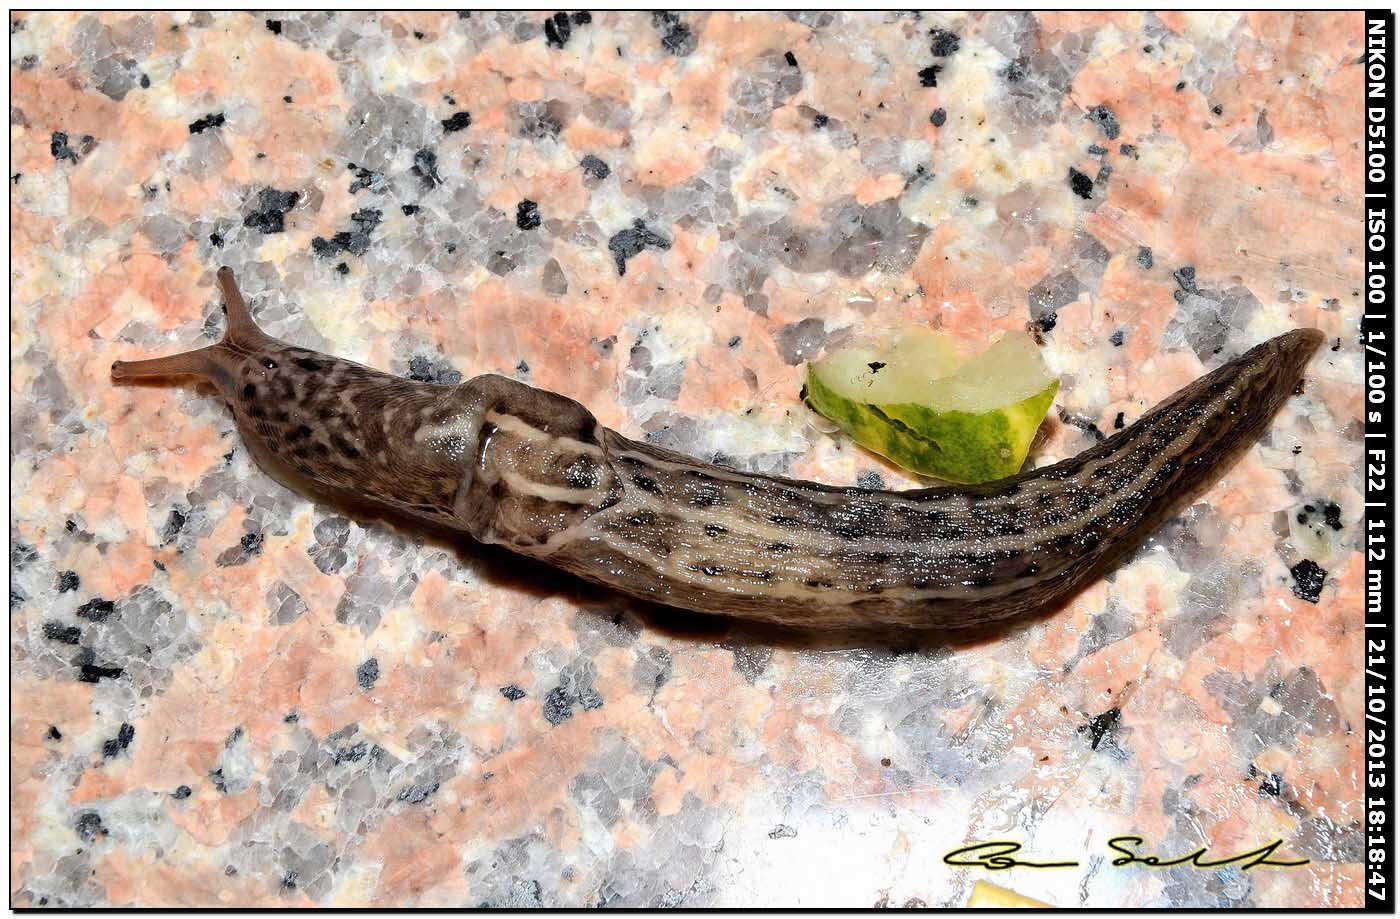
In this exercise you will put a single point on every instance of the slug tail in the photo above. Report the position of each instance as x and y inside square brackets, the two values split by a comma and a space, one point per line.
[241, 334]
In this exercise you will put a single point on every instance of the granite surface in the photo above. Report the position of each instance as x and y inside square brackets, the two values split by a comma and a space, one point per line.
[225, 694]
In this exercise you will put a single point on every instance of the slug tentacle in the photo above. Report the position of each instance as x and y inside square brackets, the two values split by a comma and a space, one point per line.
[215, 362]
[533, 471]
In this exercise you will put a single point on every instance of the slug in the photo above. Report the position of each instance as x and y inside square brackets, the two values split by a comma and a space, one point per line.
[533, 471]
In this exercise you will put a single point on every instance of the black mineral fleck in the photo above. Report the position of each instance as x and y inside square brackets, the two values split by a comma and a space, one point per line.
[89, 827]
[1144, 257]
[68, 580]
[557, 30]
[1116, 339]
[274, 26]
[942, 42]
[367, 673]
[201, 125]
[1103, 116]
[91, 672]
[595, 167]
[125, 735]
[416, 793]
[425, 167]
[790, 58]
[630, 242]
[1308, 577]
[527, 215]
[938, 118]
[821, 120]
[1101, 726]
[1186, 278]
[1332, 515]
[59, 149]
[269, 213]
[512, 692]
[558, 706]
[676, 36]
[356, 240]
[96, 610]
[460, 121]
[173, 524]
[181, 793]
[427, 370]
[366, 178]
[54, 733]
[929, 75]
[67, 634]
[1082, 185]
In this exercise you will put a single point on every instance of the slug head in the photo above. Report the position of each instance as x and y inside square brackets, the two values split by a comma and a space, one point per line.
[221, 364]
[324, 426]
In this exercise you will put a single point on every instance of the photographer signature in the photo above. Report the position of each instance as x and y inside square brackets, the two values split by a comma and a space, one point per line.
[998, 856]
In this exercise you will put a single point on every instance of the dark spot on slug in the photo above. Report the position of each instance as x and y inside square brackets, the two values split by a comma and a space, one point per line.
[582, 473]
[250, 391]
[269, 363]
[642, 519]
[309, 364]
[707, 495]
[712, 570]
[345, 447]
[713, 529]
[779, 547]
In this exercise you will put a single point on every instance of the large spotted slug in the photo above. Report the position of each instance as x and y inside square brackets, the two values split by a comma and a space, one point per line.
[534, 471]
